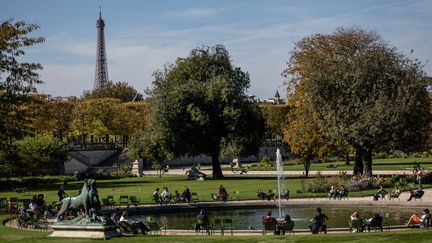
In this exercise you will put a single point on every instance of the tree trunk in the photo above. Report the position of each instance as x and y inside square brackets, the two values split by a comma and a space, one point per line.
[358, 162]
[347, 162]
[217, 171]
[367, 163]
[307, 167]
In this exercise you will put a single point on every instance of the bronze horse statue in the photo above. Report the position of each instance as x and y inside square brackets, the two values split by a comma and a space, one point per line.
[88, 199]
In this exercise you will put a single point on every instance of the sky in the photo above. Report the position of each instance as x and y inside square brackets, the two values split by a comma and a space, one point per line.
[143, 36]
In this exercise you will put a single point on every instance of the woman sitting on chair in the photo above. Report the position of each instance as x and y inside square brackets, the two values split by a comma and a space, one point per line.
[423, 220]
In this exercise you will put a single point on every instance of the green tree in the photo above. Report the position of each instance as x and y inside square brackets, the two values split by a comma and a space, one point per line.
[149, 145]
[120, 90]
[200, 104]
[303, 131]
[275, 120]
[363, 91]
[17, 80]
[41, 154]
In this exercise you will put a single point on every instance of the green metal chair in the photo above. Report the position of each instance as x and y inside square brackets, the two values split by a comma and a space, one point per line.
[3, 203]
[355, 225]
[236, 196]
[203, 227]
[214, 197]
[111, 200]
[123, 200]
[134, 200]
[106, 202]
[215, 224]
[387, 221]
[227, 224]
[269, 226]
[195, 197]
[154, 227]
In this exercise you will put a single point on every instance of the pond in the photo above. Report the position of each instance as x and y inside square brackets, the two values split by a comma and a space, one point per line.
[243, 218]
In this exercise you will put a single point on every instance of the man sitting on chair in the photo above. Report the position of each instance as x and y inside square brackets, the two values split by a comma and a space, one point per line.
[202, 221]
[135, 225]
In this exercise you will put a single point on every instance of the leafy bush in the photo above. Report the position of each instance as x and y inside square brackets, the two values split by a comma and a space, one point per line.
[41, 154]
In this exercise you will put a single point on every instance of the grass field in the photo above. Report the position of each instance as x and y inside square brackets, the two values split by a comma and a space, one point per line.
[16, 235]
[378, 164]
[144, 186]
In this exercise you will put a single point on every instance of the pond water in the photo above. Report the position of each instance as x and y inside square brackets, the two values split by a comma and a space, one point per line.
[243, 218]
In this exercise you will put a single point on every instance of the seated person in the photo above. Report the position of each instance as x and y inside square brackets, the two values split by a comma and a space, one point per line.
[41, 203]
[332, 192]
[379, 194]
[423, 220]
[416, 194]
[177, 197]
[116, 215]
[156, 197]
[286, 225]
[135, 225]
[32, 208]
[261, 195]
[356, 220]
[342, 192]
[165, 195]
[395, 193]
[187, 196]
[285, 195]
[223, 195]
[375, 222]
[318, 222]
[269, 219]
[202, 221]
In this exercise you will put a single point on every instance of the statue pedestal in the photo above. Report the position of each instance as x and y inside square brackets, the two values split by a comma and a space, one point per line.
[85, 231]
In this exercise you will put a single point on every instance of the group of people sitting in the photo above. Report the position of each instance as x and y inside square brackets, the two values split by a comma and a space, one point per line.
[166, 197]
[279, 227]
[395, 193]
[287, 224]
[337, 192]
[359, 224]
[271, 195]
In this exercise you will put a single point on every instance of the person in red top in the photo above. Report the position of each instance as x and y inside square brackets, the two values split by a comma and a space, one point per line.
[269, 218]
[223, 193]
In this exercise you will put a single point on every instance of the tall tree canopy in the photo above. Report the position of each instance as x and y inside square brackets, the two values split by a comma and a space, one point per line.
[362, 90]
[199, 104]
[17, 80]
[120, 90]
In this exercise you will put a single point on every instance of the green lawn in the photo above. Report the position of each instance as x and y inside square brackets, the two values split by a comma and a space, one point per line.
[378, 164]
[16, 235]
[144, 186]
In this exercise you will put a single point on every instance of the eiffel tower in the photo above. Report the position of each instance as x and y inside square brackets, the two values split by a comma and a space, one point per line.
[101, 72]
